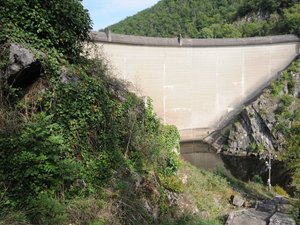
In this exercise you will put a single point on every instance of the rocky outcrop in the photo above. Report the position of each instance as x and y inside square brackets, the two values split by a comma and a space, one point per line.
[265, 213]
[260, 127]
[247, 216]
[22, 67]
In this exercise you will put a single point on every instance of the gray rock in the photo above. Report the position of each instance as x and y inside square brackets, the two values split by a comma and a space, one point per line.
[247, 216]
[281, 200]
[265, 213]
[255, 124]
[281, 219]
[238, 201]
[285, 208]
[270, 208]
[23, 67]
[19, 58]
[66, 77]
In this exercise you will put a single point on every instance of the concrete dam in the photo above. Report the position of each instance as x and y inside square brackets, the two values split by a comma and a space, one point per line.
[197, 84]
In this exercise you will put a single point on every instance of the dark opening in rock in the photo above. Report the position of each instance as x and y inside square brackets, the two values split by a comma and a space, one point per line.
[27, 76]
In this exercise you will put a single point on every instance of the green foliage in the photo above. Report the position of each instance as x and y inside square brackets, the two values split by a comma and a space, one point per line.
[206, 188]
[36, 160]
[291, 155]
[189, 220]
[82, 133]
[48, 211]
[257, 179]
[213, 19]
[276, 87]
[291, 19]
[14, 218]
[63, 25]
[172, 183]
[168, 18]
[279, 190]
[85, 211]
[287, 100]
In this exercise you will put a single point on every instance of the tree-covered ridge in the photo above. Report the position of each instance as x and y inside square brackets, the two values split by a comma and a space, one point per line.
[214, 19]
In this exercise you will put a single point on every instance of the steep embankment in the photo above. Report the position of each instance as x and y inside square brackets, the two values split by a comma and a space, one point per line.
[213, 19]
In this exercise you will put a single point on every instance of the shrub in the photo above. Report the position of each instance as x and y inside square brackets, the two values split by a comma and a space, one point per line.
[172, 183]
[276, 88]
[36, 161]
[257, 179]
[287, 100]
[84, 210]
[14, 218]
[292, 19]
[279, 190]
[48, 211]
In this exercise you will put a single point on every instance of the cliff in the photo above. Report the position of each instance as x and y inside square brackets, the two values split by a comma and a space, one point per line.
[264, 124]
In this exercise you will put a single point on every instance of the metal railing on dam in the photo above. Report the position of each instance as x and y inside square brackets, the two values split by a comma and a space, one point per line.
[197, 84]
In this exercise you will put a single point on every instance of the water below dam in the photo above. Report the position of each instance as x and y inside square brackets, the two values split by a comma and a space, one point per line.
[201, 155]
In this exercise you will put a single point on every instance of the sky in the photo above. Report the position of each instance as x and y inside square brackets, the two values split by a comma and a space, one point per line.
[108, 12]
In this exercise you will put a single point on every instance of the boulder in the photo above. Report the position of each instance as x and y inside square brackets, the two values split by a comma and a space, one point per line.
[238, 201]
[247, 216]
[23, 68]
[269, 207]
[66, 77]
[281, 219]
[19, 58]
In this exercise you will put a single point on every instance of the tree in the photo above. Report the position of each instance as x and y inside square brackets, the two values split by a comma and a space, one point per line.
[62, 24]
[292, 19]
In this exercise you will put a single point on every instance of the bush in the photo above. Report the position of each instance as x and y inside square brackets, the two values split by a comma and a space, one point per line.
[35, 160]
[172, 183]
[287, 100]
[62, 24]
[48, 211]
[14, 218]
[257, 179]
[292, 19]
[84, 210]
[279, 190]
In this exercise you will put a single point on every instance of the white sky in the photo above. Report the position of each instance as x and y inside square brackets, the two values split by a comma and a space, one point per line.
[108, 12]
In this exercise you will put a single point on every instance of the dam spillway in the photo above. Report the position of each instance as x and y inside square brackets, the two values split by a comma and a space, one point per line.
[197, 84]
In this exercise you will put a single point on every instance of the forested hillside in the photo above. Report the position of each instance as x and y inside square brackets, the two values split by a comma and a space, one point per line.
[214, 19]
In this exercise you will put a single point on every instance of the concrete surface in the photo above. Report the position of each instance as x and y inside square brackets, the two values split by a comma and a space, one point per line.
[197, 84]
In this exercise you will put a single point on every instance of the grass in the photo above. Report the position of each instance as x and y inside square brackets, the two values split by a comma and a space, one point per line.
[210, 191]
[251, 190]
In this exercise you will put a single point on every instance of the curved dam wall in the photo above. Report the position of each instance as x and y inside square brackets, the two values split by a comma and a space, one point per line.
[197, 84]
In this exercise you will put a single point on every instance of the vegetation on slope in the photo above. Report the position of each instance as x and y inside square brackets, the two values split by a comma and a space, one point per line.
[214, 19]
[62, 143]
[76, 147]
[288, 119]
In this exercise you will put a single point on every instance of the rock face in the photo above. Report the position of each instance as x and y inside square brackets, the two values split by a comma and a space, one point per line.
[281, 219]
[259, 128]
[19, 58]
[265, 213]
[23, 67]
[247, 216]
